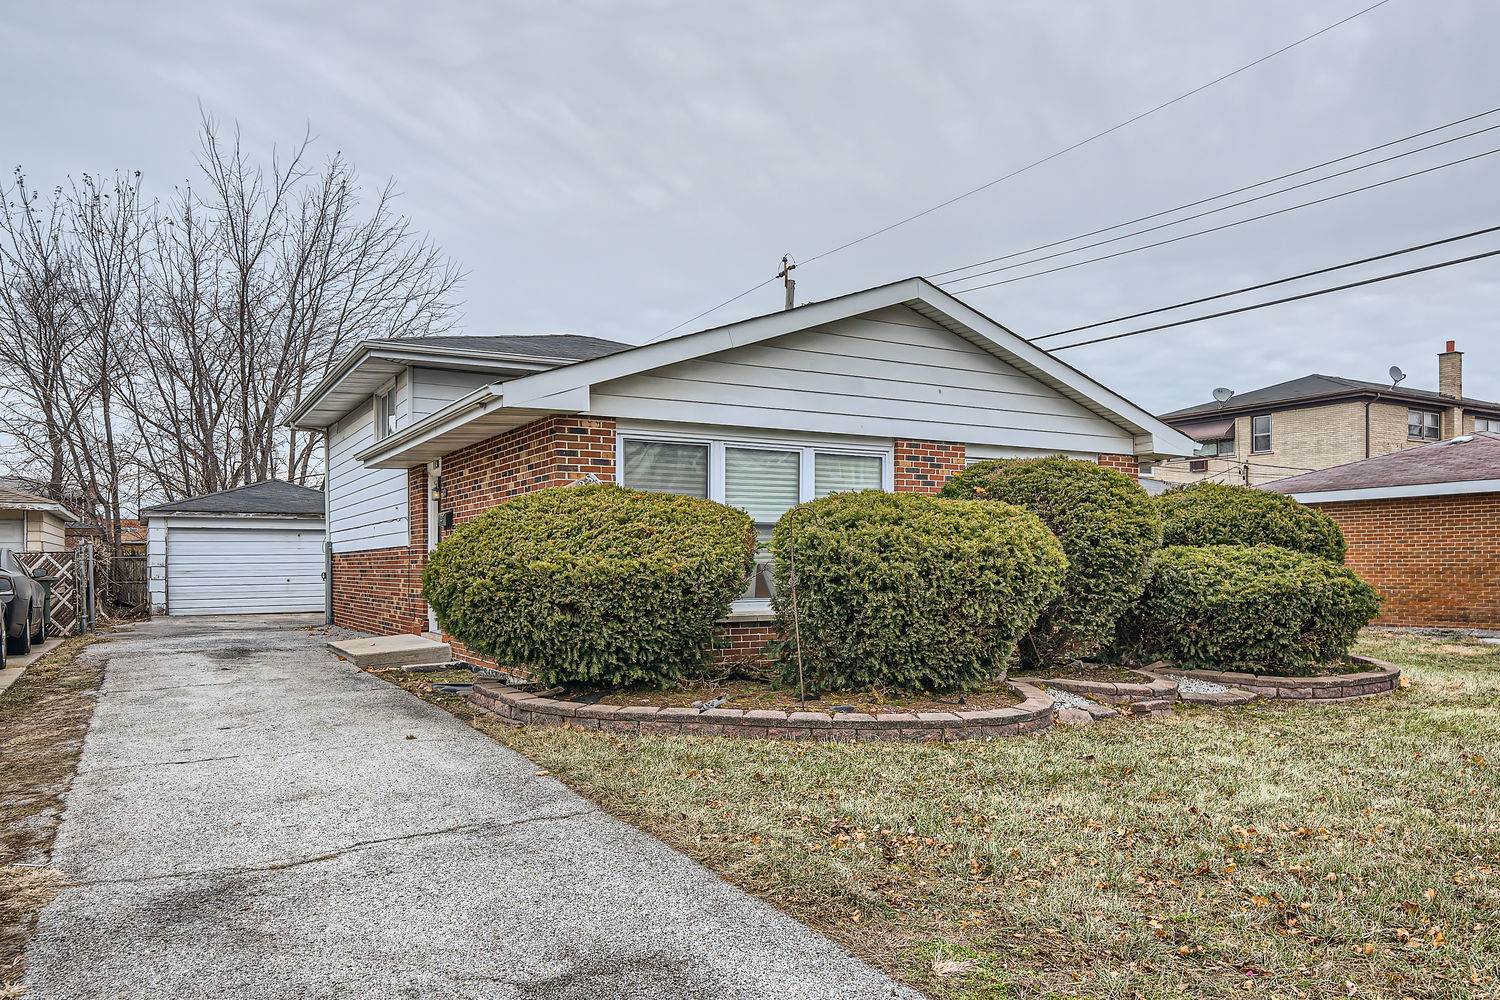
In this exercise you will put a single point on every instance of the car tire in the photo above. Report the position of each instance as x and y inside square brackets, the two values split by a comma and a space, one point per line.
[21, 645]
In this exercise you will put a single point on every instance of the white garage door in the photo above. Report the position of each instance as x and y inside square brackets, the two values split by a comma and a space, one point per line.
[244, 571]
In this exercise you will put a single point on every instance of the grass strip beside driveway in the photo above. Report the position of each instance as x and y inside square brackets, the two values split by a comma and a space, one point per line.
[1274, 850]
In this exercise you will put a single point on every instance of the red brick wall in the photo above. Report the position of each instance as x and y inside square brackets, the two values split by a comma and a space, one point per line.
[379, 591]
[737, 642]
[924, 466]
[553, 451]
[1122, 463]
[1435, 560]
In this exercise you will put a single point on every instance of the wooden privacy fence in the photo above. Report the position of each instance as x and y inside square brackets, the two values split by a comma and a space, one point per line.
[71, 592]
[127, 581]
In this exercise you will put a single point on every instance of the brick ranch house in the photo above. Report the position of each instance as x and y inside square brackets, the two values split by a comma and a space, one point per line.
[896, 387]
[1423, 526]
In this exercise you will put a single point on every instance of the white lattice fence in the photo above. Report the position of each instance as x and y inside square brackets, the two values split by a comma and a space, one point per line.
[66, 602]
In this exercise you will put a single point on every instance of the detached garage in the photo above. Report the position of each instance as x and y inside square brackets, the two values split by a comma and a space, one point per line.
[252, 550]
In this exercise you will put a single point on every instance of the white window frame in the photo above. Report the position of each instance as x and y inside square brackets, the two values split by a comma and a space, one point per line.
[1490, 424]
[807, 456]
[1270, 429]
[385, 407]
[1426, 419]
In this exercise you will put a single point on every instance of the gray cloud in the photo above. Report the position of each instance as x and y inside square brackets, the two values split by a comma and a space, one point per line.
[615, 167]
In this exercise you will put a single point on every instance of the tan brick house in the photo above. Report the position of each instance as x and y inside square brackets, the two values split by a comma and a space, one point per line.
[1319, 421]
[895, 387]
[1423, 526]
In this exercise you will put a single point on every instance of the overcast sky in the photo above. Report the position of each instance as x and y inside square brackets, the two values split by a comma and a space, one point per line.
[612, 168]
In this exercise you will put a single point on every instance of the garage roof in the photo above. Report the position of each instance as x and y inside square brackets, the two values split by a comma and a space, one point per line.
[274, 496]
[1468, 464]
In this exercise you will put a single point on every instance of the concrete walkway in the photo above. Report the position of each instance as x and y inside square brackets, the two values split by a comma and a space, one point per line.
[254, 819]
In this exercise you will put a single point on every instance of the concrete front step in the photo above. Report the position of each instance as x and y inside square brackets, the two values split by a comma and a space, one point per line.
[380, 652]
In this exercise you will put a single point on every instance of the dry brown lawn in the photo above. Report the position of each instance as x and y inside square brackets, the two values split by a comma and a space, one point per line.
[1275, 850]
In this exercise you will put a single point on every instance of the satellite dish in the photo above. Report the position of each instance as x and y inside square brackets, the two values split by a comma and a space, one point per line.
[1397, 375]
[1223, 395]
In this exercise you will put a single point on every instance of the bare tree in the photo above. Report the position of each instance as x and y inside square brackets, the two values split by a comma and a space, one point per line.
[166, 342]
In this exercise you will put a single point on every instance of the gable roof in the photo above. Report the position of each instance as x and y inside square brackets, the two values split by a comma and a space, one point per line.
[274, 496]
[494, 408]
[1467, 464]
[1320, 387]
[14, 499]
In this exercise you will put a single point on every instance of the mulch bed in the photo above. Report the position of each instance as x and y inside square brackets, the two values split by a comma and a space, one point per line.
[1107, 673]
[750, 694]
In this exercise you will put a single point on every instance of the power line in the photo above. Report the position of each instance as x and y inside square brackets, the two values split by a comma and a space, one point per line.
[1045, 159]
[1097, 135]
[721, 305]
[1214, 211]
[1224, 194]
[1270, 284]
[1228, 225]
[1290, 298]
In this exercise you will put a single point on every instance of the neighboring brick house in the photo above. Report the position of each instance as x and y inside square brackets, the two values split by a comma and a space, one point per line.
[896, 387]
[1319, 421]
[1423, 526]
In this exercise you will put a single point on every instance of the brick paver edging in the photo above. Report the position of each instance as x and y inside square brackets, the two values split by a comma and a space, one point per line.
[1031, 715]
[1382, 678]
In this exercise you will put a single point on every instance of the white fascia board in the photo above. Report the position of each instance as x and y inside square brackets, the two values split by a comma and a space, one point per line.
[1397, 492]
[412, 354]
[1153, 437]
[42, 506]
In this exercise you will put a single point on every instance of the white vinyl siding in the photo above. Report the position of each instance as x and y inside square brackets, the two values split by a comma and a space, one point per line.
[367, 508]
[434, 388]
[891, 373]
[233, 566]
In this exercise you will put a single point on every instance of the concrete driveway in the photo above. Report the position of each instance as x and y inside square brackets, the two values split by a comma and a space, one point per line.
[253, 818]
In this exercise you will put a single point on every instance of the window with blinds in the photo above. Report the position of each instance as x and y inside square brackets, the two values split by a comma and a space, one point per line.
[666, 467]
[846, 473]
[762, 483]
[765, 482]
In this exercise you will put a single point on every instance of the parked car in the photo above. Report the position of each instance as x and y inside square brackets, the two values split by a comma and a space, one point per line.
[24, 621]
[7, 591]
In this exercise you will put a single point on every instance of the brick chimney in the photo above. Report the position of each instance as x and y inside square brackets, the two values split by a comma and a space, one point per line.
[1451, 372]
[1451, 384]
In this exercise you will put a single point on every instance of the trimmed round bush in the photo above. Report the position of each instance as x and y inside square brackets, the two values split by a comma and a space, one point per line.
[1260, 608]
[592, 585]
[1218, 514]
[909, 591]
[1109, 528]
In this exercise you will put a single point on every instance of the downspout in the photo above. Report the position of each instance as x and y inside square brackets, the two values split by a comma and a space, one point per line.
[1367, 422]
[327, 535]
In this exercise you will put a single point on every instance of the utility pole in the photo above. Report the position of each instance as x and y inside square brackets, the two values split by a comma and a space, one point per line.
[785, 274]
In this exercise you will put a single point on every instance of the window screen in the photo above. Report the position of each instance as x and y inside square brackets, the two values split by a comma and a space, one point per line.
[666, 467]
[1260, 433]
[846, 473]
[764, 484]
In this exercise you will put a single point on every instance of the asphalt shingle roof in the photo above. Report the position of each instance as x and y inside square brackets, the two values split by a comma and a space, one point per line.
[273, 496]
[1464, 459]
[1320, 385]
[542, 346]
